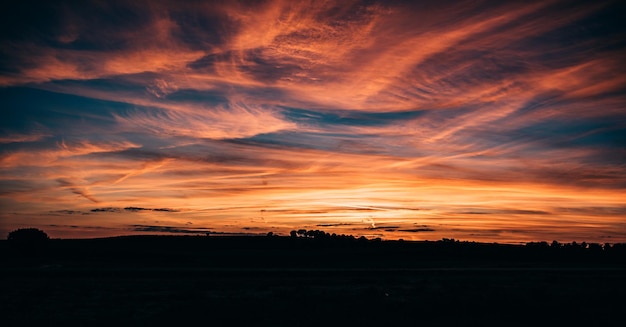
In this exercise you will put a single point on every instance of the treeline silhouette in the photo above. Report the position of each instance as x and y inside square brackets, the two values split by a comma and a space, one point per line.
[27, 235]
[303, 249]
[281, 280]
[542, 245]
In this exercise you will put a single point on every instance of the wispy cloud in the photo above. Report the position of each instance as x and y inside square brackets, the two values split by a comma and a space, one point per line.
[477, 119]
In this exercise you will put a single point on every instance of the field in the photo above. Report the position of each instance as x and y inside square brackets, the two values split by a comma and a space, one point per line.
[281, 281]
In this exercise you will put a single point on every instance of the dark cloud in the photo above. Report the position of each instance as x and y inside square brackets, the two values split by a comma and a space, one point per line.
[194, 231]
[109, 209]
[416, 230]
[66, 212]
[135, 209]
[80, 227]
[390, 227]
[164, 210]
[169, 229]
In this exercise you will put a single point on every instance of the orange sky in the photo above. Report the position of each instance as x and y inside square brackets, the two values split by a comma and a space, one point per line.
[483, 121]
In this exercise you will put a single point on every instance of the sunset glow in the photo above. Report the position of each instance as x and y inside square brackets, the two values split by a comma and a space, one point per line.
[489, 121]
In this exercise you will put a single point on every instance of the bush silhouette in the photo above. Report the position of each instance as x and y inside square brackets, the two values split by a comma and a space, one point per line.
[27, 235]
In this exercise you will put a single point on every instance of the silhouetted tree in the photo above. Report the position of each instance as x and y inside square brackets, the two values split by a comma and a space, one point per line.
[316, 234]
[27, 235]
[293, 233]
[29, 241]
[595, 247]
[538, 245]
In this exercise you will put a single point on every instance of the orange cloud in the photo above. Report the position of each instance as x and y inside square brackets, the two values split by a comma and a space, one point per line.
[238, 121]
[496, 122]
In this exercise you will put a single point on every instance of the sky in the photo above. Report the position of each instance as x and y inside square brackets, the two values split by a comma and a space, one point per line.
[489, 121]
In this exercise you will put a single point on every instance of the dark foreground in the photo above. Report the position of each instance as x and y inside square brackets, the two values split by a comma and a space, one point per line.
[279, 281]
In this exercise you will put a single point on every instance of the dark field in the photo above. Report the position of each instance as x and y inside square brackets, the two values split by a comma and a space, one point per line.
[281, 281]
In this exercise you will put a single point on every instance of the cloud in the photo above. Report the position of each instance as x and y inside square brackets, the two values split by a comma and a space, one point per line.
[169, 229]
[20, 138]
[109, 209]
[76, 226]
[491, 116]
[82, 191]
[235, 121]
[101, 47]
[417, 230]
[60, 151]
[66, 212]
[136, 209]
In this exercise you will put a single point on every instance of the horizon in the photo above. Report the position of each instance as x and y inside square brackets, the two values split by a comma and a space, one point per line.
[477, 121]
[185, 234]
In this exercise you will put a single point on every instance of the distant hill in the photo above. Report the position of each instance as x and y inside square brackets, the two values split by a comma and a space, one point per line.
[305, 251]
[309, 280]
